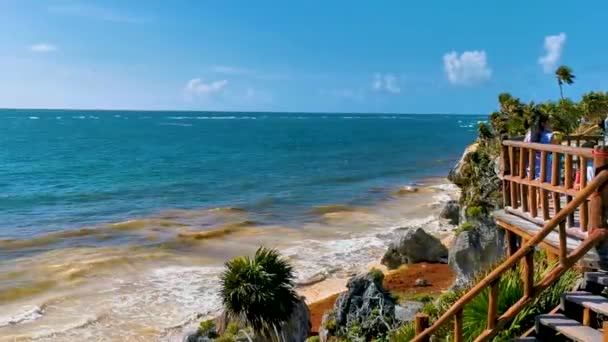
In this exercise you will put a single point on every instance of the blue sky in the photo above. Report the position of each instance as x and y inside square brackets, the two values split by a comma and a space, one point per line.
[335, 56]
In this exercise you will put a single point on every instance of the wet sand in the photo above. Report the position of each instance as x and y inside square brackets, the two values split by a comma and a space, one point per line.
[97, 287]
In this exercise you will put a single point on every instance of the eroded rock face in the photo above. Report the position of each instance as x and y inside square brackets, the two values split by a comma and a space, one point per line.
[297, 328]
[365, 308]
[451, 212]
[461, 173]
[414, 245]
[476, 250]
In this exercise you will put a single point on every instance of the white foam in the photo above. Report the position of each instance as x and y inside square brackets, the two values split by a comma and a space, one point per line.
[34, 118]
[25, 314]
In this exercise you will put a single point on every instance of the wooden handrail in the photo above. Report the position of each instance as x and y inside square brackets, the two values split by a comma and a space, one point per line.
[526, 250]
[577, 151]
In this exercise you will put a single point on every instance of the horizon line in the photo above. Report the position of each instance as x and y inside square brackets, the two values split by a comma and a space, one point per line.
[225, 111]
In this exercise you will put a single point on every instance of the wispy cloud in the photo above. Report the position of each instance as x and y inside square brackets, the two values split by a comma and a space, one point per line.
[386, 83]
[468, 68]
[43, 48]
[231, 70]
[247, 72]
[554, 46]
[197, 88]
[99, 13]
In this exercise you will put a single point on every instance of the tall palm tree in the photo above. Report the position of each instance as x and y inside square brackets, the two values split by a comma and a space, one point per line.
[259, 291]
[564, 75]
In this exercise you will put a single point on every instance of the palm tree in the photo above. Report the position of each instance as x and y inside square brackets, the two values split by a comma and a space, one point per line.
[564, 75]
[259, 291]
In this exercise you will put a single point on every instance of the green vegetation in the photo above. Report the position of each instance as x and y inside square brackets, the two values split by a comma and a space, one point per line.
[464, 227]
[510, 291]
[474, 211]
[259, 291]
[313, 339]
[377, 275]
[564, 75]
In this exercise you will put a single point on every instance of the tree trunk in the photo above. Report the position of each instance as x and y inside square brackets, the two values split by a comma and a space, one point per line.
[561, 91]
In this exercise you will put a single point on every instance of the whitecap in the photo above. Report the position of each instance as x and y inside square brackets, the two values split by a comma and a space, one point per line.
[34, 118]
[27, 314]
[79, 117]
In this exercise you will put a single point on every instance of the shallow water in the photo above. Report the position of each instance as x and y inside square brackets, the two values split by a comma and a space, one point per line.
[115, 226]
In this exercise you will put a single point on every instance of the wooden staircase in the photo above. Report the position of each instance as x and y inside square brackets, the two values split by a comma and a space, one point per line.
[568, 221]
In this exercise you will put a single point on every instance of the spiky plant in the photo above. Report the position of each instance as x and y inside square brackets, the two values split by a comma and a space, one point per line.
[259, 291]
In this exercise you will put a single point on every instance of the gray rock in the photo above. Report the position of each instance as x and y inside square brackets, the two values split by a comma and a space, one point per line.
[421, 282]
[475, 250]
[460, 174]
[451, 212]
[365, 304]
[407, 311]
[195, 337]
[414, 245]
[297, 328]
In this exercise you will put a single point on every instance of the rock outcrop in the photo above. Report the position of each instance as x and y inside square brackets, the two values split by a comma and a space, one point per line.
[414, 245]
[297, 328]
[476, 249]
[365, 311]
[451, 212]
[480, 242]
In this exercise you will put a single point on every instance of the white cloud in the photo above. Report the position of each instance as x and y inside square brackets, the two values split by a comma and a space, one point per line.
[195, 87]
[231, 70]
[43, 48]
[553, 51]
[469, 68]
[386, 82]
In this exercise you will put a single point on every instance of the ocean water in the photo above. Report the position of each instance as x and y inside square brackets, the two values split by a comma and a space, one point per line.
[133, 209]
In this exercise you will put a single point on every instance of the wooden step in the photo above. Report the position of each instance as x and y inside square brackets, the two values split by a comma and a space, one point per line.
[526, 339]
[585, 299]
[567, 327]
[600, 278]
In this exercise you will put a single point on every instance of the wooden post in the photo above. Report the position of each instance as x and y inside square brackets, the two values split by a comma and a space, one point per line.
[513, 187]
[544, 200]
[605, 328]
[531, 175]
[527, 274]
[504, 170]
[422, 322]
[597, 217]
[584, 210]
[511, 239]
[493, 304]
[522, 174]
[458, 327]
[568, 183]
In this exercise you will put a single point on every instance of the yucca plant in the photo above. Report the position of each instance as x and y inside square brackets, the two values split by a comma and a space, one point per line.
[259, 291]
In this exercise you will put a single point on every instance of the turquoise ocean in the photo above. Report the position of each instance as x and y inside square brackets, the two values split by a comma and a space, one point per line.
[91, 199]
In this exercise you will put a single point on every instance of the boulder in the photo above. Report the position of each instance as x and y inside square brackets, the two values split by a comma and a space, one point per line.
[421, 282]
[365, 309]
[407, 311]
[414, 245]
[476, 249]
[297, 328]
[461, 173]
[451, 212]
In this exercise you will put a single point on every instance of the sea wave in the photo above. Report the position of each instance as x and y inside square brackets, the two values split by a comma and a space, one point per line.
[26, 314]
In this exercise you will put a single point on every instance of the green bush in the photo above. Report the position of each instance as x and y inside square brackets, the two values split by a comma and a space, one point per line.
[207, 328]
[259, 290]
[313, 339]
[464, 227]
[377, 275]
[474, 211]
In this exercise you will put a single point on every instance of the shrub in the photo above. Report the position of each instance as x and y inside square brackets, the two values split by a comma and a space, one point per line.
[464, 227]
[259, 290]
[377, 275]
[474, 211]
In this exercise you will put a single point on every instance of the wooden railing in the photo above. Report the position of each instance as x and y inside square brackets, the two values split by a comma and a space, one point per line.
[520, 185]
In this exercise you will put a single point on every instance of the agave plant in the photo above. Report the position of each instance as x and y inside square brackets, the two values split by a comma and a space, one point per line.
[259, 291]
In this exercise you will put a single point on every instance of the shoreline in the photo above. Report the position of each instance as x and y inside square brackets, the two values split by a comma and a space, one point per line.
[329, 250]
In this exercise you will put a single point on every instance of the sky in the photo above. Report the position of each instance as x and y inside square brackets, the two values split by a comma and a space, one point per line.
[307, 56]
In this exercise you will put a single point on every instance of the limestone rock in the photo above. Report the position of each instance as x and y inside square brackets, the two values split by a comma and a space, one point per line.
[460, 174]
[476, 249]
[365, 305]
[407, 311]
[414, 245]
[421, 282]
[297, 328]
[451, 212]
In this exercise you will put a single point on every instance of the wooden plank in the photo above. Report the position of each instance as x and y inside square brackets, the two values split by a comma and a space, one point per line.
[546, 186]
[568, 184]
[598, 304]
[563, 248]
[569, 328]
[575, 151]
